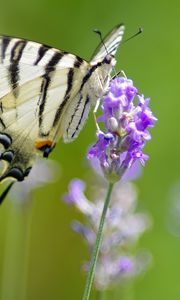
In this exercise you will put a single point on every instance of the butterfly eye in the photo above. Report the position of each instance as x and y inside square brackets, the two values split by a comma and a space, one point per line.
[108, 59]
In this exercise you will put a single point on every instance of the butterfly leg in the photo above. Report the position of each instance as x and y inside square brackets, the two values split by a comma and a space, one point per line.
[120, 73]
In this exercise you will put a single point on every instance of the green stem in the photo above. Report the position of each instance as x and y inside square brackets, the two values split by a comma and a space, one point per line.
[97, 246]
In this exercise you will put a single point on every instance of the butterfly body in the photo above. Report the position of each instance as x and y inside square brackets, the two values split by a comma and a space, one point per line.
[46, 94]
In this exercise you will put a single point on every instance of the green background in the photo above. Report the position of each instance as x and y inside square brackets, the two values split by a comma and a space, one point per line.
[37, 239]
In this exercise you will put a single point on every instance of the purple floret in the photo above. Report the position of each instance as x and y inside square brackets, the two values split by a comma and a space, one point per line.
[126, 117]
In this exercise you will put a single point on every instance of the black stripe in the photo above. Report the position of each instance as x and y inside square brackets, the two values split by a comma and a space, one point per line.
[42, 51]
[69, 87]
[46, 80]
[1, 107]
[44, 87]
[76, 109]
[16, 54]
[66, 97]
[70, 80]
[5, 43]
[89, 73]
[2, 123]
[54, 60]
[113, 47]
[78, 62]
[44, 134]
[79, 123]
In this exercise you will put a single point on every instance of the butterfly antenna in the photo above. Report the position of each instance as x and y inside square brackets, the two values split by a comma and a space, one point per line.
[6, 191]
[131, 37]
[134, 35]
[101, 38]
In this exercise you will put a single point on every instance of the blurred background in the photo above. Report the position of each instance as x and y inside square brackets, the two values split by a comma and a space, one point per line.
[40, 257]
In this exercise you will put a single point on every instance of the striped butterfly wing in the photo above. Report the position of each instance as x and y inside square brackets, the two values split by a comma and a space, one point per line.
[94, 84]
[110, 44]
[46, 94]
[36, 83]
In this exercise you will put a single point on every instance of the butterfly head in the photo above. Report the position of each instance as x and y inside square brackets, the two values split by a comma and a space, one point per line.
[109, 60]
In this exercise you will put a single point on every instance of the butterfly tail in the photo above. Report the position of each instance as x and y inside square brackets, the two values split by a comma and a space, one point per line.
[5, 192]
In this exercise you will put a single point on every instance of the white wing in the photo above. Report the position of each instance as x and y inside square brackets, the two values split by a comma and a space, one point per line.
[22, 61]
[31, 71]
[36, 82]
[76, 116]
[110, 44]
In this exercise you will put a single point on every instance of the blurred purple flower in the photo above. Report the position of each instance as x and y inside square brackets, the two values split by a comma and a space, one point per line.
[122, 230]
[76, 196]
[126, 125]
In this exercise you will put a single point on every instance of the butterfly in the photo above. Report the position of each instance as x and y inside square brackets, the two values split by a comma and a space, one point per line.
[46, 94]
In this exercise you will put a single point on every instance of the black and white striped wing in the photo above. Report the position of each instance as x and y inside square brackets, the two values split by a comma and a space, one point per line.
[110, 44]
[21, 61]
[36, 82]
[98, 75]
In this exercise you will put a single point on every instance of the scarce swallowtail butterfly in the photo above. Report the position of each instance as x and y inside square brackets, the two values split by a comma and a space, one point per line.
[46, 94]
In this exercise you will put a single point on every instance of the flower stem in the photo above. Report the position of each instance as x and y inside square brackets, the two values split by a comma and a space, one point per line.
[97, 246]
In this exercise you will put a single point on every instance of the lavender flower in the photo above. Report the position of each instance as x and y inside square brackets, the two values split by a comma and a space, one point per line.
[122, 231]
[126, 125]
